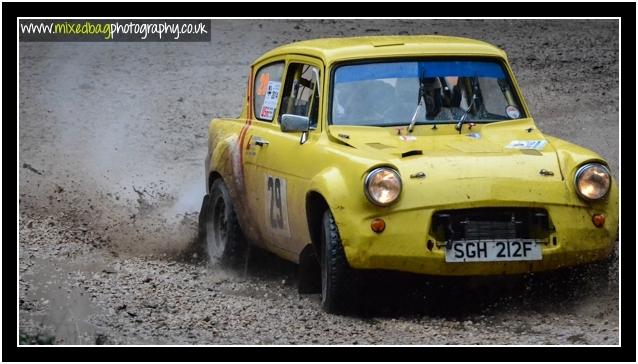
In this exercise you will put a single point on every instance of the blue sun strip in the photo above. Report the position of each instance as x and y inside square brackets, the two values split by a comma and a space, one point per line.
[375, 71]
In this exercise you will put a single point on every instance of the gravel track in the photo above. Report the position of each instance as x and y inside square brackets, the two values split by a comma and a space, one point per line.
[112, 139]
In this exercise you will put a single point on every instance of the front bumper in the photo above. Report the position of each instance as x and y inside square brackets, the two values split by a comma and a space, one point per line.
[403, 246]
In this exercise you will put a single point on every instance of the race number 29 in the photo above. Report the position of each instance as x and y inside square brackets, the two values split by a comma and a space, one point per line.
[276, 205]
[276, 215]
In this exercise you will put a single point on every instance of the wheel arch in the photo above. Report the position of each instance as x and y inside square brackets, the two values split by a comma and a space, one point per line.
[212, 177]
[316, 205]
[329, 190]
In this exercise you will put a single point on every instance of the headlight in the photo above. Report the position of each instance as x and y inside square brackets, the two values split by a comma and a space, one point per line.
[593, 181]
[383, 186]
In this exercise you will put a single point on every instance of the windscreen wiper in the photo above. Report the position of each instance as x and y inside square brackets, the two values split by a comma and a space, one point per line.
[418, 103]
[475, 92]
[459, 125]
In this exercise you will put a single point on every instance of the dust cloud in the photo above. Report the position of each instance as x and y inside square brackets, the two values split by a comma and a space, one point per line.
[117, 141]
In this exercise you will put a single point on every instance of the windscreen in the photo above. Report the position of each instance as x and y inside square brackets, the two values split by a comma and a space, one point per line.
[437, 91]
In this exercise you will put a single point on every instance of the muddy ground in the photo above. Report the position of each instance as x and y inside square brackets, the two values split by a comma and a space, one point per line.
[112, 139]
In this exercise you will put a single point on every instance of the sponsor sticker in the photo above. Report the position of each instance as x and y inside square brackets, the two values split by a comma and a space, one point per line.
[527, 144]
[513, 112]
[407, 138]
[263, 84]
[267, 112]
[270, 100]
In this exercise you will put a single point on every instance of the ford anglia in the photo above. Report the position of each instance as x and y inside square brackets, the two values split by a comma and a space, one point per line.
[404, 153]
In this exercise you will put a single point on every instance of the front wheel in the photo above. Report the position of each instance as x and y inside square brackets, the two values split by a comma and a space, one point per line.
[220, 232]
[339, 286]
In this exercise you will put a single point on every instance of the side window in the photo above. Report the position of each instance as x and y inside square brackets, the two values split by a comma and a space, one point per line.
[301, 92]
[266, 90]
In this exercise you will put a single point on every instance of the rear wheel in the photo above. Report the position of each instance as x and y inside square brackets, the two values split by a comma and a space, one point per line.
[220, 232]
[339, 286]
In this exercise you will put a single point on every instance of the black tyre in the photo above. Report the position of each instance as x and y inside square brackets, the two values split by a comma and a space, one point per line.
[219, 231]
[339, 286]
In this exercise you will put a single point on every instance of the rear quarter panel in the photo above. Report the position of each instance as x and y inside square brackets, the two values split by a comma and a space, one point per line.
[224, 158]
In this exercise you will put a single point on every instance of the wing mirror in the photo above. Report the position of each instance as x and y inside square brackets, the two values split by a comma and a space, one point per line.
[294, 123]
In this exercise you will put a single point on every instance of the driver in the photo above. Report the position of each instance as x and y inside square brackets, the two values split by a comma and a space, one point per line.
[433, 98]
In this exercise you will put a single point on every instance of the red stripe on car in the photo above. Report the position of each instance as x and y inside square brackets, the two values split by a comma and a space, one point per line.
[244, 130]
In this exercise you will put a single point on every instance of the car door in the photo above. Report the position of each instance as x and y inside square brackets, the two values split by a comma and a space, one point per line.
[266, 83]
[281, 165]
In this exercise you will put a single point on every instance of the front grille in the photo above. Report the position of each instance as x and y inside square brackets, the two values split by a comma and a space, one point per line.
[490, 223]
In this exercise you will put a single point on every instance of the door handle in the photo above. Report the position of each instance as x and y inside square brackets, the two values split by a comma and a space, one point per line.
[261, 142]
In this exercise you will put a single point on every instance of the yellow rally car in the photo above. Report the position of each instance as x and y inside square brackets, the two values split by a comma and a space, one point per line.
[406, 153]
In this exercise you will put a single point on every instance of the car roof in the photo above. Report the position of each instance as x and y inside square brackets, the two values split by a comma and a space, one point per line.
[339, 49]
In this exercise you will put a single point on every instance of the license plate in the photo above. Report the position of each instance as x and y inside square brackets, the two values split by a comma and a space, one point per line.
[493, 250]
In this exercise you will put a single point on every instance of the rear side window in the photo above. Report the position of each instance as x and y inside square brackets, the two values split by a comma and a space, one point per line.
[266, 91]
